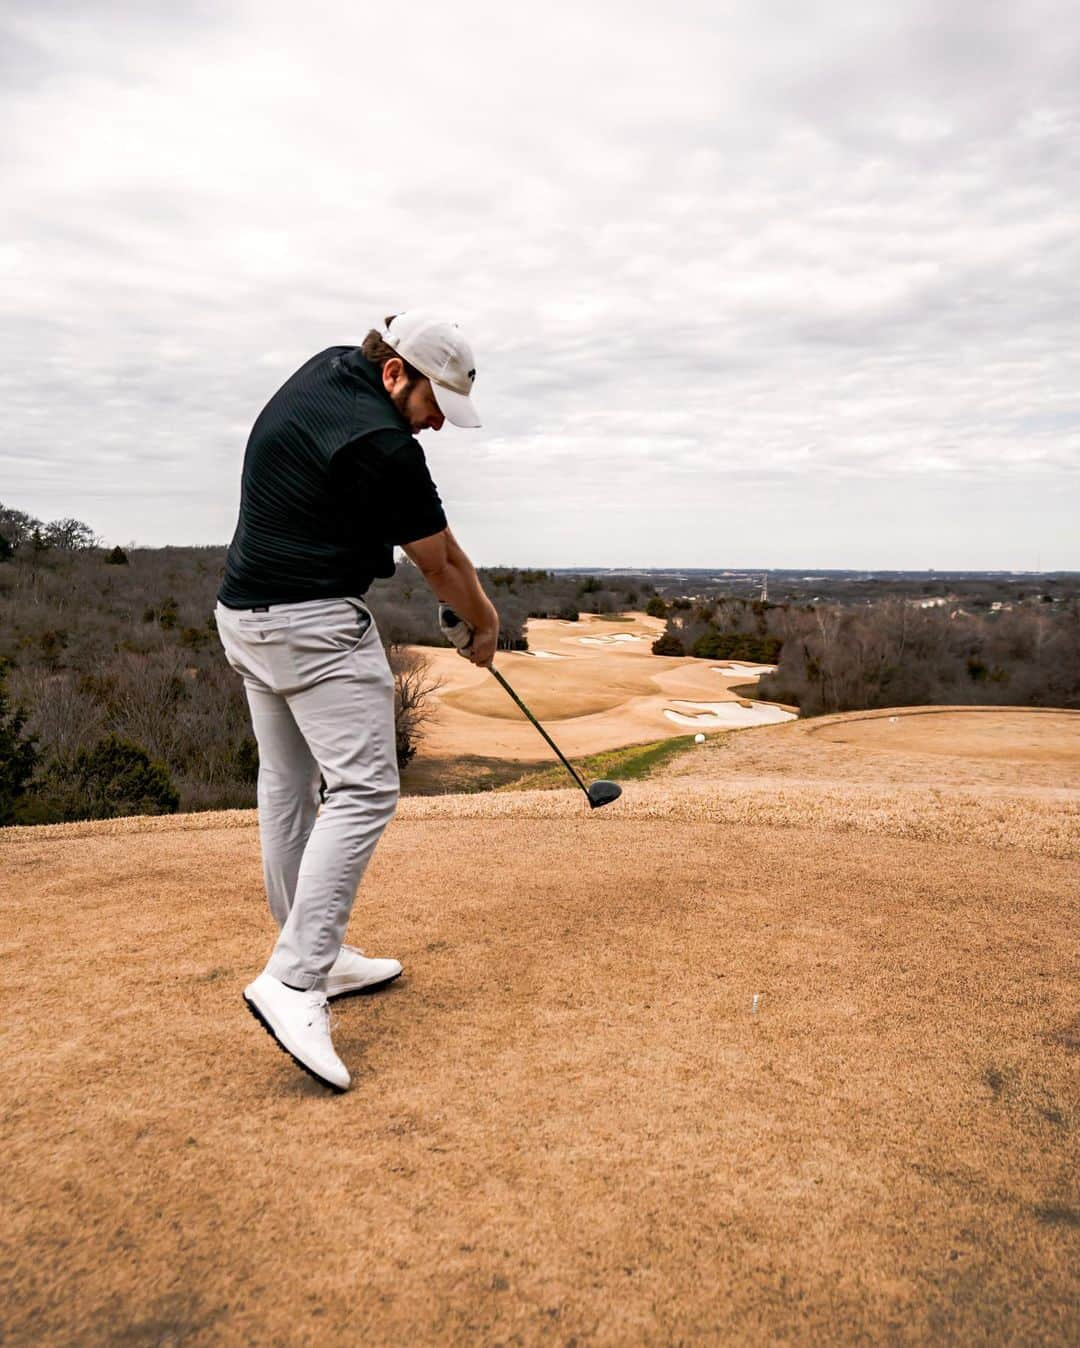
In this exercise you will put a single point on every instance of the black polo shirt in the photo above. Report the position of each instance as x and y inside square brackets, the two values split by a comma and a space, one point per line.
[332, 481]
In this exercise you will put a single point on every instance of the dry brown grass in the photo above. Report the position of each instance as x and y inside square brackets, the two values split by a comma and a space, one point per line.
[567, 1124]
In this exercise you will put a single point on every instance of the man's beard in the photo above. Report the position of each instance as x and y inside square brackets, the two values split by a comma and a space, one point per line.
[401, 398]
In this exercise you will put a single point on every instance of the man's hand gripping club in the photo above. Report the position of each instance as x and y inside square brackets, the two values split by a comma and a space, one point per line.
[477, 647]
[458, 632]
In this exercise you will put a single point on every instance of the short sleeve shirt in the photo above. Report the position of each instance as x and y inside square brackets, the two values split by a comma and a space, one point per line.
[332, 480]
[388, 470]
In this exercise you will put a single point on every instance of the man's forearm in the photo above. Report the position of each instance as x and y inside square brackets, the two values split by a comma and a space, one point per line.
[458, 585]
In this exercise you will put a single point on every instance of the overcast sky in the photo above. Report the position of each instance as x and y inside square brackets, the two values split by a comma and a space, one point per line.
[769, 284]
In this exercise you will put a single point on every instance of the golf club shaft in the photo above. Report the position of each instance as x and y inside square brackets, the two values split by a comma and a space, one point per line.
[569, 766]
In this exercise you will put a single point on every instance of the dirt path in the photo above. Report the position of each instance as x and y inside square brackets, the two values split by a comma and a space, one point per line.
[568, 1125]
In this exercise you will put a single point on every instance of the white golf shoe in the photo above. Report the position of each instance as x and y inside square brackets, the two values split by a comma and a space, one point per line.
[300, 1022]
[352, 971]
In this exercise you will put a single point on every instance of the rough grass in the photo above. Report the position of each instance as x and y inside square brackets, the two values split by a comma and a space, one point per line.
[461, 774]
[1033, 823]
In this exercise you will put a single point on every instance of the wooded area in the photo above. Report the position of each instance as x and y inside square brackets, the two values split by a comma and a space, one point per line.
[895, 652]
[115, 697]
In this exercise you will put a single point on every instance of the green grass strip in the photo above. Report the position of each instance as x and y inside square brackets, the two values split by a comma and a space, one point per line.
[632, 763]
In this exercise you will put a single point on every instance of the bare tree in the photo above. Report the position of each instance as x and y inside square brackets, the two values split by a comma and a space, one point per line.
[63, 717]
[146, 699]
[70, 535]
[17, 525]
[414, 685]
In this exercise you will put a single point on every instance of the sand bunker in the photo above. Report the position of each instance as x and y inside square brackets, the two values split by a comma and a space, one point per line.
[755, 671]
[613, 639]
[543, 655]
[727, 715]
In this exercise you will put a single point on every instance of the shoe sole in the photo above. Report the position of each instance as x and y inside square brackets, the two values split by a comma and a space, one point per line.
[365, 989]
[330, 1085]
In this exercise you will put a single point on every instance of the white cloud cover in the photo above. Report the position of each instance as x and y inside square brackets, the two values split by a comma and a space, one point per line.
[763, 284]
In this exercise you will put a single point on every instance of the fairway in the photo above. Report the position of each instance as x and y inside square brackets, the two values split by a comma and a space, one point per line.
[568, 1123]
[595, 685]
[1013, 735]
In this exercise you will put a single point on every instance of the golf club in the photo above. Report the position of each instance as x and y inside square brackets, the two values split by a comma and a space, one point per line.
[460, 634]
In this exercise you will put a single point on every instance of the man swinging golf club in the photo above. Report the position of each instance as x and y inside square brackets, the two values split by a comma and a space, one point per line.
[333, 479]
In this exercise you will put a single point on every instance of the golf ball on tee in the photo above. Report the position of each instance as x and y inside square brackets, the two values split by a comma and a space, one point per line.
[699, 738]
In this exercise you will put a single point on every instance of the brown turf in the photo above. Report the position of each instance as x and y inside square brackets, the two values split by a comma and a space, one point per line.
[567, 1124]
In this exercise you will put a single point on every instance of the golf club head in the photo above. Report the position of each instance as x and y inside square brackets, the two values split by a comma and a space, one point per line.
[603, 793]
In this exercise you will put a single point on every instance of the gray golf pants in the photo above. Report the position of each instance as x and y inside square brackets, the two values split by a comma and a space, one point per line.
[321, 696]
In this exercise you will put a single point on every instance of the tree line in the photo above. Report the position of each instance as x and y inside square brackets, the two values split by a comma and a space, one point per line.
[719, 629]
[891, 653]
[115, 696]
[897, 654]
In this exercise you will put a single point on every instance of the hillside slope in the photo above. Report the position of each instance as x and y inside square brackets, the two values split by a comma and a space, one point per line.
[569, 1124]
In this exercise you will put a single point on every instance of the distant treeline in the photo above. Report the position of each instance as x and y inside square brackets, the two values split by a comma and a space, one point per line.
[115, 697]
[973, 590]
[720, 629]
[893, 653]
[896, 654]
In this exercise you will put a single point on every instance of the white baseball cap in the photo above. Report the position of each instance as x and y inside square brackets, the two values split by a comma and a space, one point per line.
[436, 346]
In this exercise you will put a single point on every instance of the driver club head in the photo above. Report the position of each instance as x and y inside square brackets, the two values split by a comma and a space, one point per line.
[603, 793]
[600, 793]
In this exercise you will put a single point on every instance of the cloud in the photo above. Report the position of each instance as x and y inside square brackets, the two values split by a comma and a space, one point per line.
[694, 248]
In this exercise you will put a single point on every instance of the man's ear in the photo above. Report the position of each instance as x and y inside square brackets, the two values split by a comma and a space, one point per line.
[392, 371]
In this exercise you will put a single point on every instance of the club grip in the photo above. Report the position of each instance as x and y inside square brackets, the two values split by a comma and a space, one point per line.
[456, 630]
